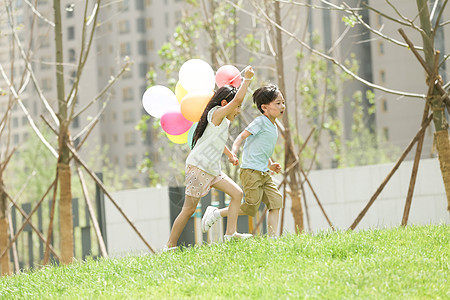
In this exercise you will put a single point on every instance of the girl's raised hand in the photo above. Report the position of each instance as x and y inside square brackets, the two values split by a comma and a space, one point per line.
[248, 73]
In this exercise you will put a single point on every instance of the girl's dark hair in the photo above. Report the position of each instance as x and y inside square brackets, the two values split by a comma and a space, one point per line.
[227, 92]
[265, 95]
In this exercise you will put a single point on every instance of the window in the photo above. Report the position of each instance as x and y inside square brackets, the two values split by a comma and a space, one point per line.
[382, 76]
[131, 160]
[16, 139]
[143, 69]
[69, 10]
[24, 120]
[166, 19]
[127, 94]
[140, 25]
[150, 45]
[148, 23]
[19, 3]
[76, 122]
[125, 49]
[123, 5]
[128, 116]
[15, 122]
[386, 133]
[46, 84]
[124, 27]
[142, 47]
[385, 105]
[72, 56]
[130, 138]
[70, 33]
[44, 41]
[380, 48]
[45, 63]
[139, 4]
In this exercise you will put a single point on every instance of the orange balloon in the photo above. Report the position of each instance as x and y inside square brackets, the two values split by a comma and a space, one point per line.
[194, 103]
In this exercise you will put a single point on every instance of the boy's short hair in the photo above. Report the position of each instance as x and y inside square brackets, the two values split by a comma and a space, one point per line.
[265, 95]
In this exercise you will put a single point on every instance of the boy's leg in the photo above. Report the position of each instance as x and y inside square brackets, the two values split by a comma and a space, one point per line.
[189, 206]
[272, 221]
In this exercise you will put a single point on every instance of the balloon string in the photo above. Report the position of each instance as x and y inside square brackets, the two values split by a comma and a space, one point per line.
[245, 69]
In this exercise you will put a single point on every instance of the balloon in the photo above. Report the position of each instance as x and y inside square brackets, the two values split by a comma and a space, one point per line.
[191, 134]
[179, 139]
[196, 74]
[194, 103]
[228, 74]
[180, 92]
[173, 122]
[157, 100]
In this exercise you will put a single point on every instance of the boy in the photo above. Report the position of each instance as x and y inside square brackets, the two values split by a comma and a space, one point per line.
[260, 138]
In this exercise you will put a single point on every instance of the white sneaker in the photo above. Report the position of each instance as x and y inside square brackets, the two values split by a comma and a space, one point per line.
[166, 249]
[208, 219]
[236, 235]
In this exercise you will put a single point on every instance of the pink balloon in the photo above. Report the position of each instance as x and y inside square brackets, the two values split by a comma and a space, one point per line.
[228, 74]
[174, 123]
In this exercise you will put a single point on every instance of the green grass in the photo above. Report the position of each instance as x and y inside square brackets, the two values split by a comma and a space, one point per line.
[400, 263]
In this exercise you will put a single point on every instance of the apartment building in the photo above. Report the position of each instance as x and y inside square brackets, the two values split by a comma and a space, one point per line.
[138, 28]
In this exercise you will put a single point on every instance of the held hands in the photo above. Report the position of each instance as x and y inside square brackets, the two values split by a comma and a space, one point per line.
[248, 73]
[233, 159]
[275, 167]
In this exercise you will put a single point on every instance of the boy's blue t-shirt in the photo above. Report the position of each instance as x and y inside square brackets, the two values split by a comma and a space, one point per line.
[259, 146]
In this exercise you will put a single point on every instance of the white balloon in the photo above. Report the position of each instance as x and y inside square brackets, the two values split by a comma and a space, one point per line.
[196, 74]
[158, 99]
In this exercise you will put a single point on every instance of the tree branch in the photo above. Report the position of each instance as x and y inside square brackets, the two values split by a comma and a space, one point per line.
[28, 66]
[341, 66]
[27, 114]
[106, 88]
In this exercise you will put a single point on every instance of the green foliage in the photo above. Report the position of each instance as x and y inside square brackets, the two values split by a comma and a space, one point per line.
[28, 173]
[399, 263]
[321, 103]
[350, 20]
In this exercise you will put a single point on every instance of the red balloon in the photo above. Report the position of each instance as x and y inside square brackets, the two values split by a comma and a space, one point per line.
[174, 123]
[228, 74]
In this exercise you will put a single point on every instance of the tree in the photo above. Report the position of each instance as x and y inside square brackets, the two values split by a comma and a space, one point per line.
[65, 113]
[436, 97]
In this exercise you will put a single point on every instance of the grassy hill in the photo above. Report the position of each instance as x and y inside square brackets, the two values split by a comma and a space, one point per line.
[400, 263]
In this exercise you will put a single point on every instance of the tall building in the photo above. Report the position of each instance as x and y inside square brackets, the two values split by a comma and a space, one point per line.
[134, 29]
[138, 28]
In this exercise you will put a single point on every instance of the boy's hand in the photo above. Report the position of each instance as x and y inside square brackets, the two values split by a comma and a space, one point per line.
[233, 159]
[275, 167]
[248, 74]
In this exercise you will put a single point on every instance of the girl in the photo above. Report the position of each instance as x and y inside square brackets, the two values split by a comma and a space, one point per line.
[260, 138]
[203, 169]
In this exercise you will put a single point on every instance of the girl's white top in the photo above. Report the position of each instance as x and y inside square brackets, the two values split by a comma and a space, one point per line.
[208, 150]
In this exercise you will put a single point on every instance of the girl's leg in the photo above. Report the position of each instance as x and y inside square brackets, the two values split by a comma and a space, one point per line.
[189, 206]
[228, 186]
[272, 221]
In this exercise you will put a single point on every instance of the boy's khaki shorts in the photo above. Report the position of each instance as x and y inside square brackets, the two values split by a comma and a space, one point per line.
[258, 186]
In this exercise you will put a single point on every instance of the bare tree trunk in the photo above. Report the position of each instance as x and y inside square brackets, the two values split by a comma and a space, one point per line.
[4, 262]
[64, 173]
[437, 101]
[294, 184]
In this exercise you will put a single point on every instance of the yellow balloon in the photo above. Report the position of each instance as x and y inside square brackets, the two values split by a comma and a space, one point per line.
[180, 92]
[179, 139]
[194, 103]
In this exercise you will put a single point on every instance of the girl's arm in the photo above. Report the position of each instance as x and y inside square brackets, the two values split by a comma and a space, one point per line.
[238, 141]
[231, 156]
[223, 111]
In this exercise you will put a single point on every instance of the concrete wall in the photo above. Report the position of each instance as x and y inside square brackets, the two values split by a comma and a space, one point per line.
[345, 192]
[342, 192]
[148, 209]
